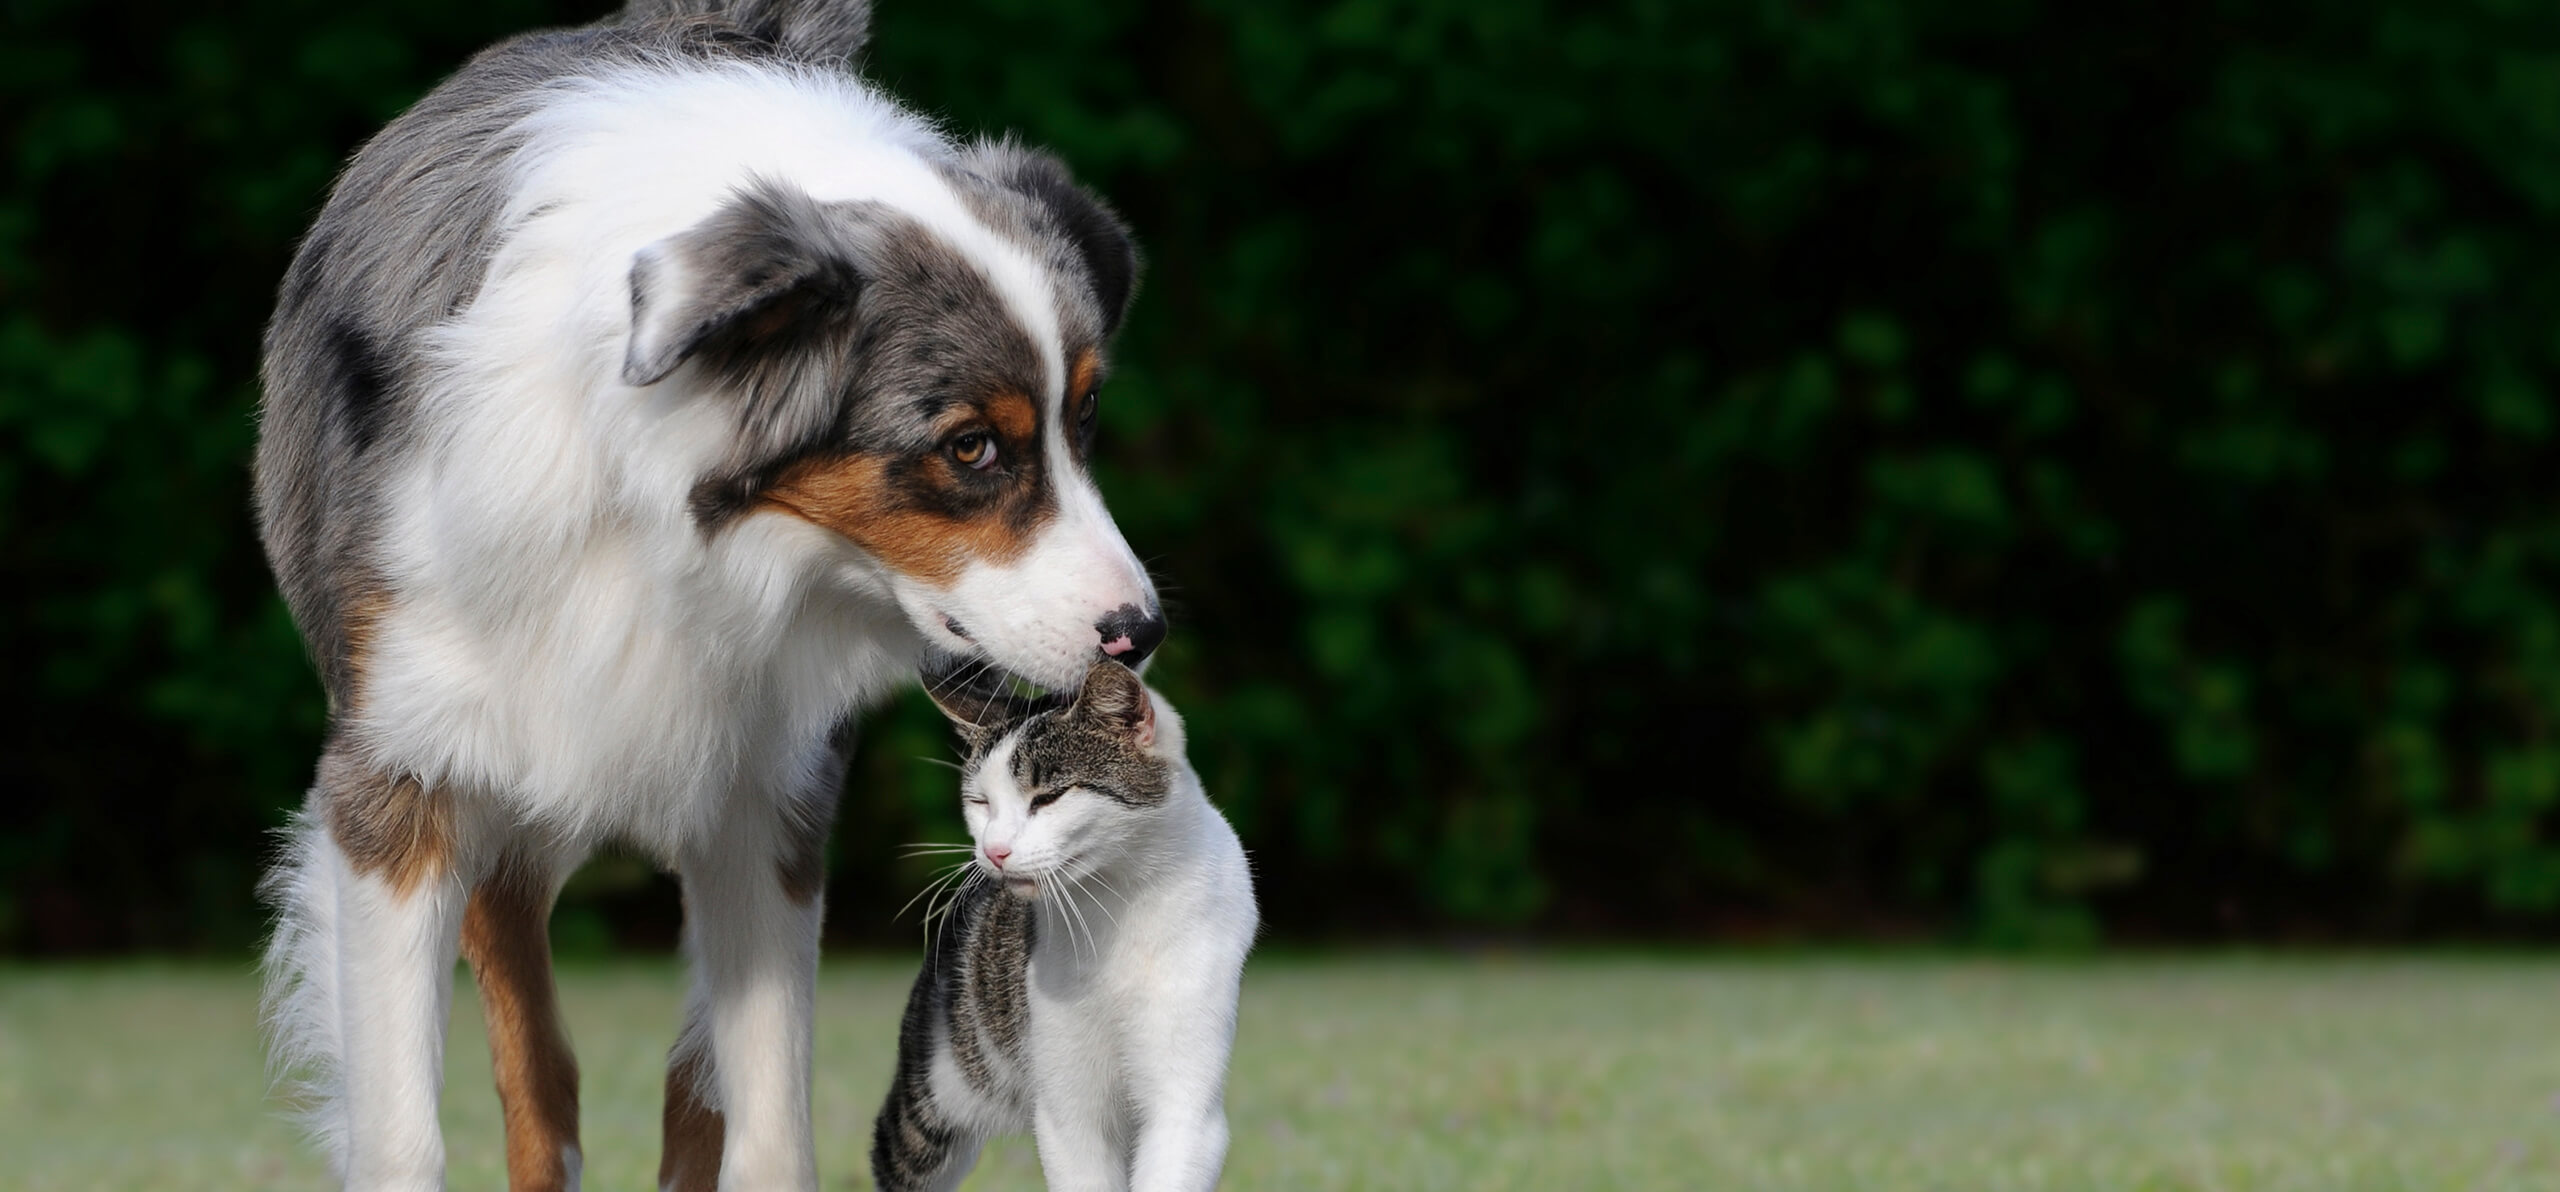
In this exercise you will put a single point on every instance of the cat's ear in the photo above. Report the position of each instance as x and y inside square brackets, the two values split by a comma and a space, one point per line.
[1115, 698]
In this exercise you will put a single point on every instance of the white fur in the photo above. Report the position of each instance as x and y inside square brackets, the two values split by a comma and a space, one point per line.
[755, 958]
[301, 967]
[570, 655]
[1143, 922]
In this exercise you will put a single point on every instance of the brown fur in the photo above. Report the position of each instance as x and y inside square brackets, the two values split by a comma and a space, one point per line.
[691, 1132]
[1084, 373]
[389, 826]
[855, 496]
[505, 936]
[363, 610]
[1081, 375]
[1016, 419]
[802, 861]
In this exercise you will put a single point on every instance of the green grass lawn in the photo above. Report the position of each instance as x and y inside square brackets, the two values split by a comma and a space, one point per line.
[1401, 1072]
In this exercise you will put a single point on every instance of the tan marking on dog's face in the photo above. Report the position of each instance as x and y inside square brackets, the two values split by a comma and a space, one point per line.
[859, 497]
[506, 938]
[389, 826]
[1015, 419]
[924, 513]
[690, 1131]
[1081, 378]
[1084, 375]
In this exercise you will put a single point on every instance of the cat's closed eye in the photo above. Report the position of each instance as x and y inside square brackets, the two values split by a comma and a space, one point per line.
[1045, 798]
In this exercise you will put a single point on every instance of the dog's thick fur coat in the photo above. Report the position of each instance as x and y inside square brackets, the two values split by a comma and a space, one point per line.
[645, 402]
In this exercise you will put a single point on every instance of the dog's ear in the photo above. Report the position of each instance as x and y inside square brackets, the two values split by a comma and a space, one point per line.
[771, 267]
[1101, 241]
[1115, 699]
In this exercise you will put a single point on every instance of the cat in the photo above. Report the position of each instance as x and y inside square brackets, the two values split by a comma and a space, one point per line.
[1082, 984]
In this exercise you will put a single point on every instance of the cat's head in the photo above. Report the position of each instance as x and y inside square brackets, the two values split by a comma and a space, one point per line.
[1061, 788]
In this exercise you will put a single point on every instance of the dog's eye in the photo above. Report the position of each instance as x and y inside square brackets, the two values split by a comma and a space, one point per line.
[1045, 798]
[1085, 410]
[976, 449]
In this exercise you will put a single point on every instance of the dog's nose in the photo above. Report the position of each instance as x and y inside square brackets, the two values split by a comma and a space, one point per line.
[1129, 634]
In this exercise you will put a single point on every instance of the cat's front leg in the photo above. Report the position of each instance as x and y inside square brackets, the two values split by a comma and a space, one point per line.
[1080, 1148]
[1178, 1084]
[1078, 1114]
[1182, 1150]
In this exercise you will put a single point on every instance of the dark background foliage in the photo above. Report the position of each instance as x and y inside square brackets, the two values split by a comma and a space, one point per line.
[1733, 468]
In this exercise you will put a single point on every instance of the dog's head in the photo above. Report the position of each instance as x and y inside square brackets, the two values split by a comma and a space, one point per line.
[924, 385]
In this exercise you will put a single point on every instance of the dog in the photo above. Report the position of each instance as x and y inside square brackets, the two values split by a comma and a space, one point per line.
[644, 403]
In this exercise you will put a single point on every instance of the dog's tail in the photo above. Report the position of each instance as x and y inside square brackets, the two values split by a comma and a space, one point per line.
[305, 1032]
[824, 30]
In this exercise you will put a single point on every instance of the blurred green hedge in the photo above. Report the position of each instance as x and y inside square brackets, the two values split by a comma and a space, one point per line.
[1732, 468]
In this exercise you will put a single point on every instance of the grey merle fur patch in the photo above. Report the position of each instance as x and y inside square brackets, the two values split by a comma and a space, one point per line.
[826, 31]
[1029, 194]
[403, 244]
[844, 329]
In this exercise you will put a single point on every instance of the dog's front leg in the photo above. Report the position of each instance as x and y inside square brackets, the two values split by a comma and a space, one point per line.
[400, 892]
[740, 1077]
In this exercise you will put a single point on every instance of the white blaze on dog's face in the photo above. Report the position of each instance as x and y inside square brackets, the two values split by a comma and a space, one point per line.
[992, 536]
[925, 386]
[1039, 604]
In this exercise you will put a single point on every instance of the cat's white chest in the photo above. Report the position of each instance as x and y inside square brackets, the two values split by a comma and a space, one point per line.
[1138, 995]
[1099, 967]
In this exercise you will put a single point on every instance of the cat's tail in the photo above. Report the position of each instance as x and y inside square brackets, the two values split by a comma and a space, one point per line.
[917, 1143]
[911, 1144]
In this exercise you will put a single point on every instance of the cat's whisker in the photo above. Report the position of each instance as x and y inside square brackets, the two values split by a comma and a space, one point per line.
[940, 880]
[948, 898]
[1080, 915]
[1098, 904]
[962, 680]
[959, 679]
[1114, 891]
[1093, 944]
[938, 910]
[935, 918]
[1066, 921]
[1073, 914]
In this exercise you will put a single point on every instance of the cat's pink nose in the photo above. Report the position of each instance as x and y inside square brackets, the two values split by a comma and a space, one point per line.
[996, 853]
